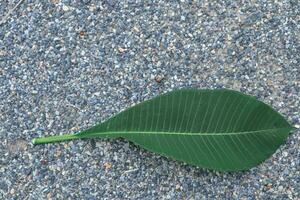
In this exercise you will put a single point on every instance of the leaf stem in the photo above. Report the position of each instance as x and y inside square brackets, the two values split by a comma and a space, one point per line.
[56, 138]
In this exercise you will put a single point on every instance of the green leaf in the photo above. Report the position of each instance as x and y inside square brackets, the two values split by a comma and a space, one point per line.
[218, 129]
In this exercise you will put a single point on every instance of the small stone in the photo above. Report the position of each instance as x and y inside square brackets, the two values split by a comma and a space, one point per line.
[115, 158]
[12, 191]
[107, 165]
[82, 33]
[159, 78]
[49, 195]
[65, 8]
[178, 187]
[136, 29]
[58, 153]
[2, 52]
[43, 162]
[268, 185]
[121, 50]
[55, 1]
[92, 8]
[88, 153]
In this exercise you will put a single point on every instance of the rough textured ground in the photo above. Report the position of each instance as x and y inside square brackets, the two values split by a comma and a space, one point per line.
[66, 65]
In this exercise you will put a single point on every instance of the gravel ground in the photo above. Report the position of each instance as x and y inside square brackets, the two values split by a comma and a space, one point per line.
[67, 65]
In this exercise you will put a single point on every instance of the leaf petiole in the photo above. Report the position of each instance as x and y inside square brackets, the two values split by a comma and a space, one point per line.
[57, 138]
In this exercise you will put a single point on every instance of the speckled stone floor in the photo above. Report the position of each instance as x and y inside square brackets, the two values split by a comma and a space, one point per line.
[67, 65]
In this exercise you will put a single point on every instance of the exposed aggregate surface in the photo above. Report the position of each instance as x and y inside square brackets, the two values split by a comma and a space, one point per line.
[67, 65]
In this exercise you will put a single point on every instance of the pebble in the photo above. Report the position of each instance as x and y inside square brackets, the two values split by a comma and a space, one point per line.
[66, 8]
[107, 165]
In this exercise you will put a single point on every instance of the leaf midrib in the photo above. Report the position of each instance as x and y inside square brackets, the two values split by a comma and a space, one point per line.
[183, 133]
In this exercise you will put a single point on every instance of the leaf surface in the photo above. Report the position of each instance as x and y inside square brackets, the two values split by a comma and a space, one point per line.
[218, 129]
